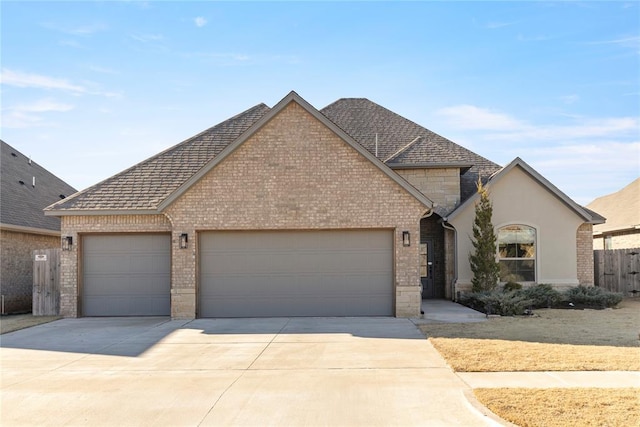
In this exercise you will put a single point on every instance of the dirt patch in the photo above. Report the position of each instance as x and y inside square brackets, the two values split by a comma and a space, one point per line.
[16, 322]
[564, 407]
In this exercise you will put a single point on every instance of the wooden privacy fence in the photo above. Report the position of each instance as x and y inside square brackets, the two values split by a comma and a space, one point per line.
[618, 270]
[46, 282]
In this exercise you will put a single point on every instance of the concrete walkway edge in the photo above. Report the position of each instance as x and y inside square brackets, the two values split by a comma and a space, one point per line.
[563, 379]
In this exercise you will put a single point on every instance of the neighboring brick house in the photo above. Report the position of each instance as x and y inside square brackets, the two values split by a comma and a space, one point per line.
[293, 211]
[622, 210]
[26, 188]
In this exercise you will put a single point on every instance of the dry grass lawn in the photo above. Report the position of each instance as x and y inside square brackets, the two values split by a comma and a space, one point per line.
[564, 407]
[551, 340]
[16, 322]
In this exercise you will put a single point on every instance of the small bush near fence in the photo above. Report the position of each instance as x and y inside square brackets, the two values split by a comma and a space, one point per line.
[515, 302]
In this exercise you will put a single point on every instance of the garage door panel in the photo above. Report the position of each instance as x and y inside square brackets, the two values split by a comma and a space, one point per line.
[296, 273]
[126, 275]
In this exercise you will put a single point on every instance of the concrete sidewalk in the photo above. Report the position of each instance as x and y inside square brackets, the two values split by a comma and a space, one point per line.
[565, 379]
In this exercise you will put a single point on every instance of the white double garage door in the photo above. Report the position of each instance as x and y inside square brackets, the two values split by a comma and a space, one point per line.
[244, 274]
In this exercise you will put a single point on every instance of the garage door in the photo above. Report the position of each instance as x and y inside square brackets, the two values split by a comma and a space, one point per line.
[296, 273]
[126, 275]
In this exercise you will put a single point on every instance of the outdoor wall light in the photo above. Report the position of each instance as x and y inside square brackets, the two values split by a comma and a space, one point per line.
[67, 242]
[184, 240]
[406, 238]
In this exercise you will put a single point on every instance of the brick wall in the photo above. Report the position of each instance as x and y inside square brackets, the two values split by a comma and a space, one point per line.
[76, 226]
[294, 173]
[629, 239]
[440, 185]
[16, 272]
[584, 245]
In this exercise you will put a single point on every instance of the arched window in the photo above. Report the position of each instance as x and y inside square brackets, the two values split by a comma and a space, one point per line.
[517, 253]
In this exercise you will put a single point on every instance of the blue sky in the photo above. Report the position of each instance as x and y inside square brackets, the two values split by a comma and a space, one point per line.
[91, 88]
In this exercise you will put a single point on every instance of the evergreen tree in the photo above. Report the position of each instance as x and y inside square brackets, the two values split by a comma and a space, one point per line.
[485, 268]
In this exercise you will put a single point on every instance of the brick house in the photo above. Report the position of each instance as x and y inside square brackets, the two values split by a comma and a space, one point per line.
[26, 188]
[622, 210]
[294, 211]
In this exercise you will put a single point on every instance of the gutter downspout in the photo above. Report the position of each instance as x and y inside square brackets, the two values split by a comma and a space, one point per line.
[455, 257]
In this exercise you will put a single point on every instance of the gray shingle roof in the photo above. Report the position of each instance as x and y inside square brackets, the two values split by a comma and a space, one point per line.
[145, 185]
[363, 119]
[21, 204]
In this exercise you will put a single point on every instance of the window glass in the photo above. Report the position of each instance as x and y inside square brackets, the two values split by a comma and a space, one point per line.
[423, 260]
[517, 253]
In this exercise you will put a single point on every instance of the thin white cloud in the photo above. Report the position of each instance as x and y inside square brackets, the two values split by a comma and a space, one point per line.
[570, 99]
[475, 118]
[71, 43]
[200, 21]
[32, 114]
[501, 126]
[102, 70]
[25, 80]
[147, 38]
[81, 30]
[540, 38]
[37, 81]
[43, 105]
[496, 25]
[633, 41]
[578, 149]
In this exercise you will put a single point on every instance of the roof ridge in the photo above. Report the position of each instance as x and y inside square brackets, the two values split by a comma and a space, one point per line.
[403, 149]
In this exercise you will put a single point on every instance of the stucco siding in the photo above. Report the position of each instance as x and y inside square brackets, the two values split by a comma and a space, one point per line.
[519, 199]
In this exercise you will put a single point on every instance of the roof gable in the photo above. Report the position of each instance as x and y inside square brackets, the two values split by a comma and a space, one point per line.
[587, 215]
[26, 188]
[294, 97]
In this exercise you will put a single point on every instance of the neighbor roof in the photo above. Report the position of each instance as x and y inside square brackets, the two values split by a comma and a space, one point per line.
[151, 185]
[588, 215]
[622, 209]
[26, 188]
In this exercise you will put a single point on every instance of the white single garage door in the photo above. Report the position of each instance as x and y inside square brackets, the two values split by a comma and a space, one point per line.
[126, 275]
[296, 273]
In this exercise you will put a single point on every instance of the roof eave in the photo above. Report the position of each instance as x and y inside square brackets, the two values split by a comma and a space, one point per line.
[518, 162]
[462, 166]
[30, 230]
[98, 212]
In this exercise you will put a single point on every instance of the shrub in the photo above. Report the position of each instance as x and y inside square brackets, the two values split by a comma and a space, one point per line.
[591, 296]
[542, 296]
[485, 268]
[510, 303]
[511, 286]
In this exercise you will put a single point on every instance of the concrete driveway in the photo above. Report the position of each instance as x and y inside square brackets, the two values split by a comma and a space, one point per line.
[276, 371]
